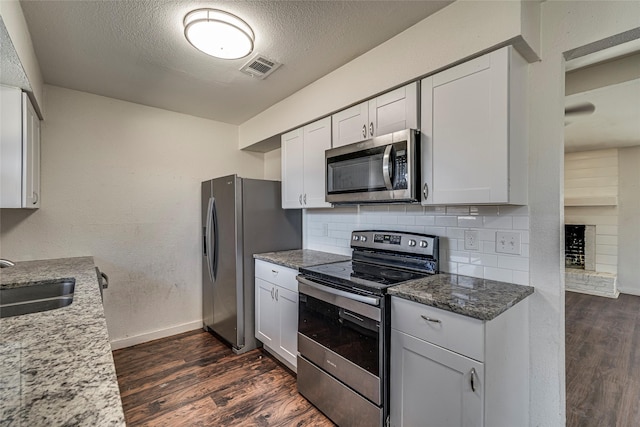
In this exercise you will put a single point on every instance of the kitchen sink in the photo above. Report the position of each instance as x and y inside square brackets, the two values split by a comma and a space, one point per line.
[41, 296]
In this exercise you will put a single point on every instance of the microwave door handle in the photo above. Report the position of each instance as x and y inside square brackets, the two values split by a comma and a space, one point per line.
[387, 167]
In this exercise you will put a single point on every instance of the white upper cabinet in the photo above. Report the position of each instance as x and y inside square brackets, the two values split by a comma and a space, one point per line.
[19, 151]
[387, 113]
[474, 142]
[303, 165]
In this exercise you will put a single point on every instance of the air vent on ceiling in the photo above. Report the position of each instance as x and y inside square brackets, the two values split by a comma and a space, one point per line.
[260, 67]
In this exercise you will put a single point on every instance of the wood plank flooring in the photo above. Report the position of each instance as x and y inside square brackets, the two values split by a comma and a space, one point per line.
[192, 379]
[602, 360]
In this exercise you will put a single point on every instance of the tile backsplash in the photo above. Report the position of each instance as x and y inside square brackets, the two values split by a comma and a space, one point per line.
[329, 230]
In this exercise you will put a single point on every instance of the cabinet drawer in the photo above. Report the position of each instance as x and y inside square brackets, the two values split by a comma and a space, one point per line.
[277, 274]
[455, 332]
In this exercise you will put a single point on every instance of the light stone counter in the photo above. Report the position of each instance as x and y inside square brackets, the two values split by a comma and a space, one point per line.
[56, 366]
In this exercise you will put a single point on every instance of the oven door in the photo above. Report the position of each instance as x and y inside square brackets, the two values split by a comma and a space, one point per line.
[341, 333]
[379, 169]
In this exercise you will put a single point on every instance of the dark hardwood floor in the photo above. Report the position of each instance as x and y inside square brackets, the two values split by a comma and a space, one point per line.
[192, 379]
[602, 360]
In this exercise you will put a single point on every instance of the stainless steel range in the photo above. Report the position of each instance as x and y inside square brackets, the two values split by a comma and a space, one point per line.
[343, 324]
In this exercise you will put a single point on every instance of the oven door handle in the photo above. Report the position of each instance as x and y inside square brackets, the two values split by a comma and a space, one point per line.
[338, 292]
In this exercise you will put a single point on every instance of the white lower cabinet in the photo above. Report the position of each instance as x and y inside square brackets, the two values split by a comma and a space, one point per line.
[276, 290]
[433, 384]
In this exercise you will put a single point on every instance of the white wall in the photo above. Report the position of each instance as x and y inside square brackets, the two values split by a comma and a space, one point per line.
[273, 165]
[591, 177]
[566, 25]
[121, 182]
[629, 221]
[330, 230]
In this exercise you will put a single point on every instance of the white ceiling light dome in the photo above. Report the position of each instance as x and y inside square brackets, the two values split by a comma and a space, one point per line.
[218, 33]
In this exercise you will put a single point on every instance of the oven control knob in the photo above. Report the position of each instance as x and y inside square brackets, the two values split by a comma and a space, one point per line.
[363, 238]
[412, 242]
[355, 238]
[423, 243]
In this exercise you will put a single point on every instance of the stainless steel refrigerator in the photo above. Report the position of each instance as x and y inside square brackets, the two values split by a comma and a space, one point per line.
[240, 217]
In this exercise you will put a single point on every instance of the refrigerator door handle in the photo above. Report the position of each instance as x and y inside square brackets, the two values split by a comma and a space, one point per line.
[211, 230]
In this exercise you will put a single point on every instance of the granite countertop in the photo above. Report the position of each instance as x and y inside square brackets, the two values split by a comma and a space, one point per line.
[300, 258]
[56, 366]
[478, 298]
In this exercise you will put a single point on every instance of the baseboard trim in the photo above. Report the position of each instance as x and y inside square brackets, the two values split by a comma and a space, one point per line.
[629, 291]
[150, 336]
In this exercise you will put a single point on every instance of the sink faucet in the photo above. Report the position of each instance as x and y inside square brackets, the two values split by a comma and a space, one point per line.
[6, 263]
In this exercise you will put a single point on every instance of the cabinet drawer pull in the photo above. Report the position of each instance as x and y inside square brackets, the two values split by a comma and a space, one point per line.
[425, 191]
[276, 294]
[272, 289]
[364, 130]
[371, 129]
[305, 198]
[473, 383]
[430, 319]
[300, 199]
[35, 196]
[275, 272]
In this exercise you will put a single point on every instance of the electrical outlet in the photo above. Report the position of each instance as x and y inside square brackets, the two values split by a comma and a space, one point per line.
[471, 241]
[508, 242]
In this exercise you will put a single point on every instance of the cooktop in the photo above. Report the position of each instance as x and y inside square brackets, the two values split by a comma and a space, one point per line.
[367, 277]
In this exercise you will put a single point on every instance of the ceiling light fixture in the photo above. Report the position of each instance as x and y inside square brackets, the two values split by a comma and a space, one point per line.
[218, 33]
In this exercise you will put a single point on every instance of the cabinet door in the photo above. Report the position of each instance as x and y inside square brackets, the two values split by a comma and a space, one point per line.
[394, 111]
[266, 313]
[287, 302]
[31, 155]
[465, 124]
[292, 169]
[317, 139]
[350, 125]
[431, 386]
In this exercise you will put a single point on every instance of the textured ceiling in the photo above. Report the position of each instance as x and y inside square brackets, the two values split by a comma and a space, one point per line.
[613, 87]
[136, 50]
[615, 122]
[11, 71]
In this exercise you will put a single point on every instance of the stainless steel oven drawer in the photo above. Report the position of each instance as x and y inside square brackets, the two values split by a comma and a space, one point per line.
[343, 369]
[345, 407]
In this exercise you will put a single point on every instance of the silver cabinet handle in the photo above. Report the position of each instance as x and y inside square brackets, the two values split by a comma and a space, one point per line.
[35, 195]
[364, 131]
[275, 272]
[425, 191]
[272, 289]
[300, 199]
[430, 319]
[305, 198]
[473, 374]
[371, 128]
[276, 294]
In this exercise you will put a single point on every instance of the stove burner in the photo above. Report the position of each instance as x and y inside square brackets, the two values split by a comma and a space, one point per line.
[331, 268]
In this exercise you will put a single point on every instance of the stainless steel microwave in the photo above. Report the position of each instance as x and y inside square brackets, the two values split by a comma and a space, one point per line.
[382, 169]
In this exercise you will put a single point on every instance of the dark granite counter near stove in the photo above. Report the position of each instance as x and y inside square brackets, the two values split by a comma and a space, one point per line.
[300, 258]
[478, 298]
